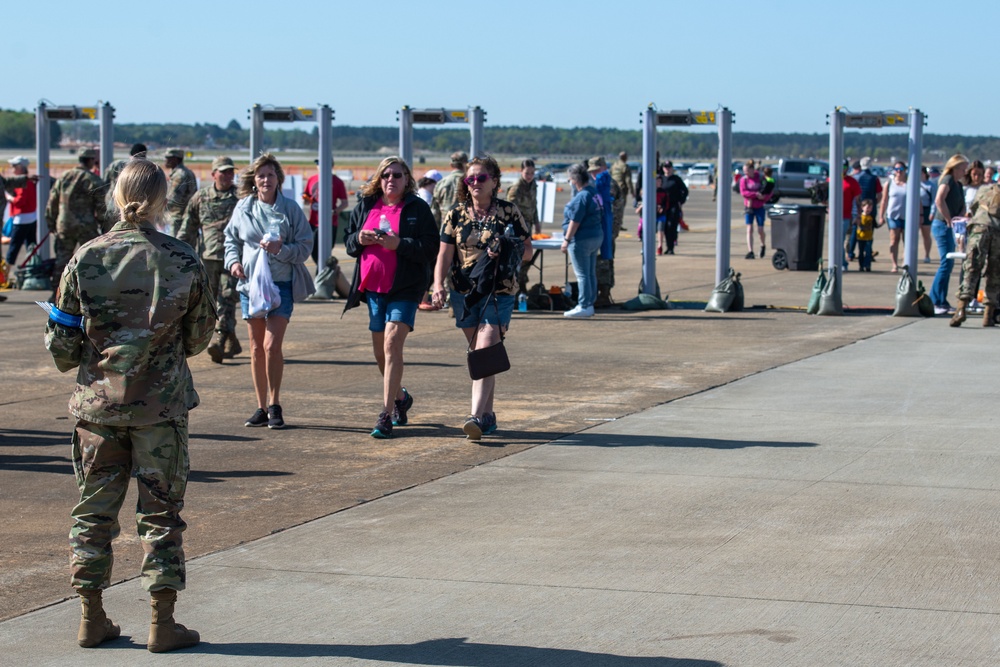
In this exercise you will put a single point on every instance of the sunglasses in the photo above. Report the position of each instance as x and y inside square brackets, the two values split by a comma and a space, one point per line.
[478, 178]
[386, 175]
[899, 168]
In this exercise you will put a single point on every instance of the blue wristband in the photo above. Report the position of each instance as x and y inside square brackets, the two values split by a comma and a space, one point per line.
[65, 319]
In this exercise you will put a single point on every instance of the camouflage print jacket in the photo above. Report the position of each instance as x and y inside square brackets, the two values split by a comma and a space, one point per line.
[621, 174]
[209, 210]
[76, 200]
[181, 187]
[146, 307]
[525, 195]
[444, 195]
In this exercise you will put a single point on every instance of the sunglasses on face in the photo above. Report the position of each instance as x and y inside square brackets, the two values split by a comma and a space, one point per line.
[478, 178]
[899, 168]
[386, 175]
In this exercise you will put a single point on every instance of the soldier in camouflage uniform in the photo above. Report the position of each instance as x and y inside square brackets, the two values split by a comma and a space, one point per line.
[982, 259]
[75, 210]
[110, 178]
[209, 212]
[524, 194]
[621, 174]
[132, 306]
[444, 192]
[183, 185]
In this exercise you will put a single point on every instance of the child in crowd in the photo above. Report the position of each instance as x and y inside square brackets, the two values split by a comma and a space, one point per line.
[866, 233]
[768, 186]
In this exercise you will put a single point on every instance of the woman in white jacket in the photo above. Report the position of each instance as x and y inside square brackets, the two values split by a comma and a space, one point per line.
[266, 219]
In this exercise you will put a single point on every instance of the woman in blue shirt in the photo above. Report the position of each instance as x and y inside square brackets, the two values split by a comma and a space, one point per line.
[582, 238]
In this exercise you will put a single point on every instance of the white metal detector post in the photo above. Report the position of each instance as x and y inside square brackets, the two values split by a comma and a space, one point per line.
[474, 116]
[44, 114]
[838, 120]
[322, 115]
[651, 119]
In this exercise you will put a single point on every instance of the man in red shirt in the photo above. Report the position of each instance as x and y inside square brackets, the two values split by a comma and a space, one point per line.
[852, 190]
[23, 208]
[311, 197]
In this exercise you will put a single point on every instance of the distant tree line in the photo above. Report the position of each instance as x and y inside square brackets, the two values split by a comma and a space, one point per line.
[17, 130]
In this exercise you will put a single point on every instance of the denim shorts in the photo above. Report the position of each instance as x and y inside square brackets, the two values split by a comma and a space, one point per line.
[483, 311]
[381, 311]
[750, 214]
[284, 310]
[896, 223]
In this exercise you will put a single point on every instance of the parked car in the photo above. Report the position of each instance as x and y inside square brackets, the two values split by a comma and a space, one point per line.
[701, 173]
[794, 177]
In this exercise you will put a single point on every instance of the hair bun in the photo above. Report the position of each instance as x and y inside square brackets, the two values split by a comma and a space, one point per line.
[131, 212]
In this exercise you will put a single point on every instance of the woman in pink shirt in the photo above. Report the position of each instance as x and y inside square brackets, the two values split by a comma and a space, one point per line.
[753, 205]
[394, 236]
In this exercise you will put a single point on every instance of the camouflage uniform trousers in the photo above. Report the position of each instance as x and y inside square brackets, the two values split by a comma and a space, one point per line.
[175, 222]
[104, 458]
[227, 299]
[606, 267]
[66, 243]
[981, 261]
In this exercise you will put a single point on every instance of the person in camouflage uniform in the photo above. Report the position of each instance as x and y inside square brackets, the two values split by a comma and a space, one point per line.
[982, 259]
[444, 191]
[75, 210]
[183, 185]
[209, 212]
[110, 178]
[132, 306]
[621, 174]
[524, 194]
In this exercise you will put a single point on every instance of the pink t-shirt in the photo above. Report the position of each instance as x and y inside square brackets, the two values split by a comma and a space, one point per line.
[378, 264]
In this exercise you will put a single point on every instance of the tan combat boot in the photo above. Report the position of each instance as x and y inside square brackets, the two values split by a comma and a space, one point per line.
[215, 347]
[989, 315]
[232, 347]
[95, 626]
[959, 316]
[166, 634]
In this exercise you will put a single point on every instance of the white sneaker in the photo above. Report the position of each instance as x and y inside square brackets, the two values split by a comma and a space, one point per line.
[580, 312]
[940, 310]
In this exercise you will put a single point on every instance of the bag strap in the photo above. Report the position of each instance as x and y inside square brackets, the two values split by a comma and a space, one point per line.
[496, 307]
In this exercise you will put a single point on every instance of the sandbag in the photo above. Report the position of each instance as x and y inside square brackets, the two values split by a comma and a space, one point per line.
[727, 295]
[829, 301]
[817, 292]
[906, 296]
[36, 274]
[645, 302]
[330, 281]
[924, 303]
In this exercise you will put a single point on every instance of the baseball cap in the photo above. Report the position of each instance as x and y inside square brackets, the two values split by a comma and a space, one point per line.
[460, 156]
[174, 152]
[434, 175]
[87, 153]
[19, 161]
[222, 164]
[595, 163]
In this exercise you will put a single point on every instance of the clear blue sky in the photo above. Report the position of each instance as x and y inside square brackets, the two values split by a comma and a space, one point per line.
[780, 66]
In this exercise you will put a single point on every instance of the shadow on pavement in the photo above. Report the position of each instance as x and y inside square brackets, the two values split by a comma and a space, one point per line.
[214, 476]
[57, 464]
[10, 437]
[450, 652]
[616, 440]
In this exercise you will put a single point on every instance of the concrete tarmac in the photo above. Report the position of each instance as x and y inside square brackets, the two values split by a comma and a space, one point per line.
[838, 510]
[770, 488]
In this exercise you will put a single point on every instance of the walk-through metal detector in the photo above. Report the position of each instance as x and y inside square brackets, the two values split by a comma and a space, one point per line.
[323, 116]
[104, 113]
[841, 118]
[474, 116]
[651, 119]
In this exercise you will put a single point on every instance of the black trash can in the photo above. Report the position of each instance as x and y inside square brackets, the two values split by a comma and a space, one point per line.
[796, 236]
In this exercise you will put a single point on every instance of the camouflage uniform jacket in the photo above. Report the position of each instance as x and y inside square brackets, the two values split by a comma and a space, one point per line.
[470, 237]
[76, 200]
[181, 187]
[525, 195]
[112, 173]
[209, 210]
[444, 195]
[145, 308]
[979, 206]
[621, 174]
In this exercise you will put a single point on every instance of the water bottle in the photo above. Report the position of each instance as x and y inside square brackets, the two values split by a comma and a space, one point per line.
[522, 302]
[509, 230]
[568, 290]
[384, 226]
[273, 231]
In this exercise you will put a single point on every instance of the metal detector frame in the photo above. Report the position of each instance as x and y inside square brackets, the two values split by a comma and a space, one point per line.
[474, 116]
[838, 120]
[651, 119]
[104, 113]
[323, 116]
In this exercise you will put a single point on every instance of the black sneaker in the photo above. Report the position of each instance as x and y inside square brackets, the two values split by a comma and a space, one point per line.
[383, 427]
[259, 418]
[402, 407]
[473, 428]
[750, 255]
[762, 252]
[489, 422]
[274, 418]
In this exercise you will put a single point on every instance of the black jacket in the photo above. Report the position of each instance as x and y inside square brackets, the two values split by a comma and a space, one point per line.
[417, 252]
